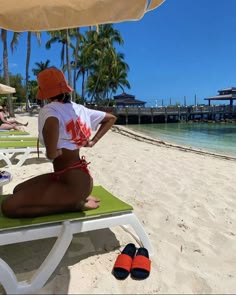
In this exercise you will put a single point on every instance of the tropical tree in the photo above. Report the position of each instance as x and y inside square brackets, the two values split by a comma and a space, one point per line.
[63, 37]
[5, 67]
[16, 82]
[104, 60]
[81, 64]
[40, 66]
[76, 54]
[117, 76]
[29, 35]
[33, 88]
[1, 69]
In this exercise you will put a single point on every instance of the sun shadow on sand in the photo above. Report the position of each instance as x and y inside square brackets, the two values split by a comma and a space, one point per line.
[33, 160]
[25, 258]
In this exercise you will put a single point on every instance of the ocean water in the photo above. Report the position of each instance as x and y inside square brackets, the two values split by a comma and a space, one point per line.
[213, 137]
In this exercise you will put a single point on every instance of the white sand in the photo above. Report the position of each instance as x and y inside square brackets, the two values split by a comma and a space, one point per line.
[186, 202]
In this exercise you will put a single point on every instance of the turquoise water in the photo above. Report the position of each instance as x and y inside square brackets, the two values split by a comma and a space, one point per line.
[213, 137]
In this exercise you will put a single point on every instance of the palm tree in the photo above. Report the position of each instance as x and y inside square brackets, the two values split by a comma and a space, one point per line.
[38, 35]
[63, 36]
[81, 63]
[5, 65]
[40, 66]
[118, 77]
[101, 52]
[76, 52]
[104, 60]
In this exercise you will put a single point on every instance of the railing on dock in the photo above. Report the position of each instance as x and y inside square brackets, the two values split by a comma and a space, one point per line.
[134, 115]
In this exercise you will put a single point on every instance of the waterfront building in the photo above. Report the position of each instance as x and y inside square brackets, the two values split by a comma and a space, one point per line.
[127, 100]
[227, 94]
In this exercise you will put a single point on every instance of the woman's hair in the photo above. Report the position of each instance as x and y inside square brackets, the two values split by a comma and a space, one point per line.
[63, 97]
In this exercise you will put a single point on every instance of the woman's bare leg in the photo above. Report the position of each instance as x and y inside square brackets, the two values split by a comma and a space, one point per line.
[31, 182]
[42, 195]
[13, 121]
[89, 202]
[5, 126]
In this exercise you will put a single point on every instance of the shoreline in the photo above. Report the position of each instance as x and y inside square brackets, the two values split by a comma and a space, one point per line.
[159, 142]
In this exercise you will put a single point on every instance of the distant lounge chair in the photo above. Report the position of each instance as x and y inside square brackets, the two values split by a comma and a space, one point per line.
[11, 132]
[32, 106]
[112, 212]
[18, 139]
[9, 148]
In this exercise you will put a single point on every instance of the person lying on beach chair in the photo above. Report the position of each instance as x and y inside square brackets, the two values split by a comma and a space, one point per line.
[9, 119]
[4, 124]
[64, 127]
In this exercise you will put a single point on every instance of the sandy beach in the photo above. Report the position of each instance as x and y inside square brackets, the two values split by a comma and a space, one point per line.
[185, 200]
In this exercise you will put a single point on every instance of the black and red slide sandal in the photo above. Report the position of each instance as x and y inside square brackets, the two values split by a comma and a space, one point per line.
[141, 265]
[123, 262]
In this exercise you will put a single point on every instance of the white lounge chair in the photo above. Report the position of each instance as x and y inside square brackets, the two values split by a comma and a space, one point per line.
[9, 148]
[112, 212]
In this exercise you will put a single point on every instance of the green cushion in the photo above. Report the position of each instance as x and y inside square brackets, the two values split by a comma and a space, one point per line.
[13, 132]
[108, 204]
[15, 138]
[18, 144]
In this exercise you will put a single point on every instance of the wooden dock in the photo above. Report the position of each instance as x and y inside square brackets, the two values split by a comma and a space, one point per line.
[173, 114]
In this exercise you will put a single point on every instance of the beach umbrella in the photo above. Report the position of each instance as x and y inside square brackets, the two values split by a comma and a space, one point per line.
[48, 15]
[4, 89]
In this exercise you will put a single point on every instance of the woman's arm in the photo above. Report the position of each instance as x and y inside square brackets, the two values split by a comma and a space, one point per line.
[50, 137]
[106, 124]
[2, 117]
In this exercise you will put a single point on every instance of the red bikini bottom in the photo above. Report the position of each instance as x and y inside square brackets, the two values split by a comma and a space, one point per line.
[82, 164]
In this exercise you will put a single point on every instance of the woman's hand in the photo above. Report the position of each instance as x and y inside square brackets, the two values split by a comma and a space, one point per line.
[90, 143]
[58, 153]
[55, 155]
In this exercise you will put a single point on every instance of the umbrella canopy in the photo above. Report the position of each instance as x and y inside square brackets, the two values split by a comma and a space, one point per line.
[48, 15]
[4, 89]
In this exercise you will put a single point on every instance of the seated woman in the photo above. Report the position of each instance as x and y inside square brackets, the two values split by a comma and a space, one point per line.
[9, 119]
[64, 127]
[4, 124]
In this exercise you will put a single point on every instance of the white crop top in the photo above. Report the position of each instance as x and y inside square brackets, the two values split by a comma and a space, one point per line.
[76, 123]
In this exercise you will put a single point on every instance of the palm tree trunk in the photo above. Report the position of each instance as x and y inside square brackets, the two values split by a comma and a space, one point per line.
[82, 94]
[68, 57]
[76, 60]
[96, 85]
[27, 69]
[5, 70]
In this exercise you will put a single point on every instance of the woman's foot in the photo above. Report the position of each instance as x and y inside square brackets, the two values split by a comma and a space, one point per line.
[26, 124]
[92, 198]
[90, 204]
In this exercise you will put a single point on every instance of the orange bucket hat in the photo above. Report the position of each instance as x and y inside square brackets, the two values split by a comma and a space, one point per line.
[52, 82]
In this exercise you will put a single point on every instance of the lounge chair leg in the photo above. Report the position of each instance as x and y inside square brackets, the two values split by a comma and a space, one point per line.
[143, 237]
[41, 276]
[23, 158]
[6, 159]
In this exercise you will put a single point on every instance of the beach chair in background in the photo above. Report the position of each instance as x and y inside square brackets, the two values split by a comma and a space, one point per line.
[13, 132]
[112, 212]
[10, 147]
[18, 139]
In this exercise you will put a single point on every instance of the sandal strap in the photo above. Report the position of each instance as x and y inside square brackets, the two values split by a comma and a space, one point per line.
[123, 261]
[141, 262]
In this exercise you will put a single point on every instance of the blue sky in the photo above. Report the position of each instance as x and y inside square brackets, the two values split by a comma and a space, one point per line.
[183, 48]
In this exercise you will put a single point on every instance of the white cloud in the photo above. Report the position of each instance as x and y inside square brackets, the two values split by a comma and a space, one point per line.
[12, 65]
